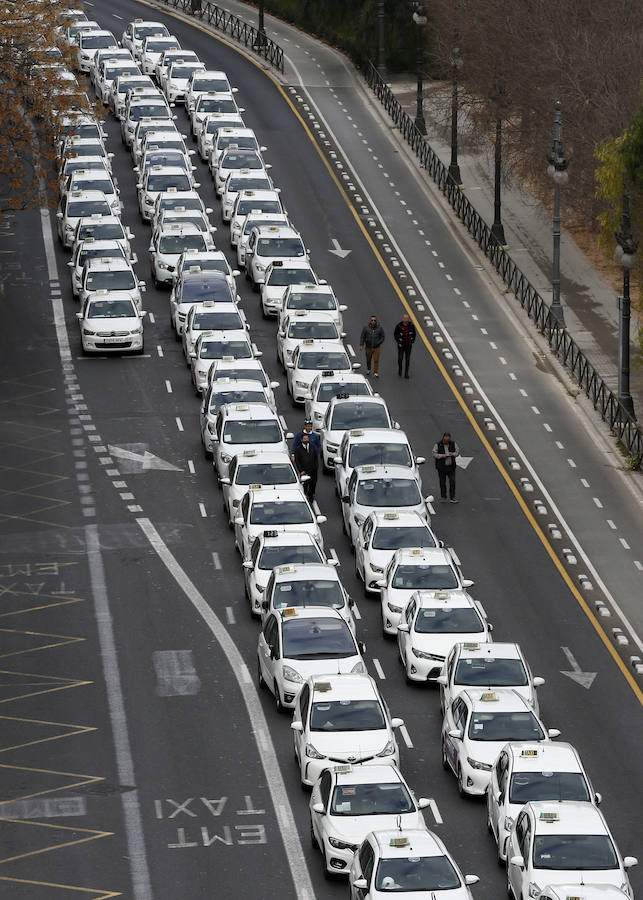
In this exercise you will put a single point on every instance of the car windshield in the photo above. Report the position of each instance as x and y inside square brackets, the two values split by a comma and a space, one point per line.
[244, 159]
[210, 84]
[589, 852]
[311, 300]
[309, 592]
[119, 280]
[317, 638]
[254, 431]
[252, 183]
[322, 359]
[111, 72]
[265, 473]
[359, 415]
[177, 243]
[402, 536]
[280, 276]
[154, 110]
[379, 454]
[171, 202]
[216, 104]
[143, 31]
[92, 184]
[100, 253]
[329, 389]
[160, 46]
[165, 157]
[96, 42]
[284, 556]
[415, 874]
[280, 247]
[218, 399]
[157, 144]
[505, 726]
[168, 182]
[321, 331]
[388, 492]
[109, 231]
[489, 670]
[243, 142]
[153, 129]
[281, 512]
[244, 207]
[448, 621]
[348, 715]
[218, 349]
[76, 149]
[86, 130]
[217, 321]
[251, 223]
[246, 374]
[371, 799]
[215, 289]
[183, 71]
[542, 786]
[111, 309]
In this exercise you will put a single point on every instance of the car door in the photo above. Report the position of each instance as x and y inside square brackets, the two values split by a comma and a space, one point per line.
[268, 647]
[301, 715]
[496, 792]
[366, 857]
[447, 691]
[239, 530]
[456, 721]
[346, 501]
[320, 794]
[362, 545]
[518, 842]
[404, 637]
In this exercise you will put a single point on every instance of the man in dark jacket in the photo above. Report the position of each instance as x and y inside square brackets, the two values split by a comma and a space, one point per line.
[404, 335]
[371, 339]
[445, 453]
[306, 463]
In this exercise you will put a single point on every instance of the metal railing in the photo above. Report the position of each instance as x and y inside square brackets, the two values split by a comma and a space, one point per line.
[239, 30]
[622, 424]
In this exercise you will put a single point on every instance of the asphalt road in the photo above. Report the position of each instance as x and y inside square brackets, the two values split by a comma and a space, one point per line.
[157, 795]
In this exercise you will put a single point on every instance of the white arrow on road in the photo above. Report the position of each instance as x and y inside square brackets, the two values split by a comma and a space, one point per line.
[141, 460]
[585, 679]
[463, 461]
[338, 249]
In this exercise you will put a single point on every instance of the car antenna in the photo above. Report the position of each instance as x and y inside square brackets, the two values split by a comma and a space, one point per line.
[399, 823]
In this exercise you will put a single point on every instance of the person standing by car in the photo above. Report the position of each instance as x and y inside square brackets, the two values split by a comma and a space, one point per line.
[371, 339]
[313, 437]
[445, 452]
[307, 462]
[404, 335]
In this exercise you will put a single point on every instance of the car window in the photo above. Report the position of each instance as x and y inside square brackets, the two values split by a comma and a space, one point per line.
[324, 787]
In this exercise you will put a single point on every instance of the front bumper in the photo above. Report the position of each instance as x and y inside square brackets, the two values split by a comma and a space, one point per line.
[422, 669]
[98, 344]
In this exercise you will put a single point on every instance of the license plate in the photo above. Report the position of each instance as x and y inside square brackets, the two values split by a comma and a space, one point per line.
[112, 340]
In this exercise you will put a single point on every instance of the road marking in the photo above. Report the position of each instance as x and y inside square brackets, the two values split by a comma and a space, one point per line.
[597, 502]
[168, 386]
[571, 463]
[546, 426]
[560, 446]
[406, 736]
[433, 806]
[349, 347]
[535, 410]
[584, 482]
[191, 468]
[333, 555]
[639, 565]
[151, 318]
[356, 612]
[159, 350]
[585, 679]
[378, 668]
[624, 543]
[524, 392]
[203, 510]
[175, 673]
[179, 424]
[216, 562]
[267, 755]
[229, 614]
[283, 423]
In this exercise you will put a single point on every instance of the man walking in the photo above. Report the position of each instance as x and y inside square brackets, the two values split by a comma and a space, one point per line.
[445, 452]
[404, 335]
[306, 462]
[371, 339]
[312, 437]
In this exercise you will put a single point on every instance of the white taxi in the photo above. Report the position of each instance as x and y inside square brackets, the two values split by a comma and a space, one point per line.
[307, 585]
[474, 664]
[142, 107]
[237, 182]
[92, 249]
[279, 275]
[167, 58]
[250, 369]
[342, 719]
[345, 413]
[256, 202]
[310, 358]
[108, 71]
[153, 47]
[232, 160]
[89, 42]
[94, 180]
[177, 77]
[314, 298]
[213, 345]
[195, 285]
[111, 323]
[276, 547]
[410, 864]
[296, 643]
[78, 205]
[476, 727]
[159, 179]
[167, 246]
[430, 624]
[254, 219]
[211, 316]
[104, 228]
[525, 773]
[327, 385]
[269, 508]
[348, 801]
[119, 88]
[270, 243]
[381, 488]
[136, 32]
[254, 469]
[417, 569]
[568, 843]
[208, 102]
[110, 274]
[227, 390]
[379, 536]
[300, 326]
[209, 261]
[209, 128]
[208, 80]
[245, 426]
[228, 136]
[178, 200]
[375, 447]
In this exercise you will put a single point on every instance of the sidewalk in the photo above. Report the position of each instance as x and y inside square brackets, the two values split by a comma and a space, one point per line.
[589, 302]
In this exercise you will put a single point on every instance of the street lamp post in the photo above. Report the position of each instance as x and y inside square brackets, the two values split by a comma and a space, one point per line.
[456, 63]
[557, 169]
[381, 56]
[261, 31]
[497, 229]
[420, 19]
[626, 252]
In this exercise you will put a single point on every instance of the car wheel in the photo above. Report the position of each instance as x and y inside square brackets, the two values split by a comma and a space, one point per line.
[260, 681]
[278, 703]
[461, 790]
[313, 839]
[445, 761]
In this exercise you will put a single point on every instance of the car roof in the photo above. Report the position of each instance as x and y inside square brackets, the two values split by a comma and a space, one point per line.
[202, 274]
[235, 131]
[568, 817]
[180, 228]
[342, 378]
[396, 519]
[265, 457]
[355, 399]
[259, 194]
[289, 492]
[548, 756]
[165, 170]
[90, 243]
[310, 315]
[321, 346]
[303, 571]
[277, 231]
[241, 411]
[420, 843]
[109, 263]
[308, 612]
[288, 538]
[347, 774]
[376, 435]
[499, 700]
[344, 687]
[110, 295]
[445, 599]
[364, 473]
[481, 649]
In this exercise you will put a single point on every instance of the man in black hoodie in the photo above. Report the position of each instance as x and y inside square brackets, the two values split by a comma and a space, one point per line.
[404, 335]
[371, 339]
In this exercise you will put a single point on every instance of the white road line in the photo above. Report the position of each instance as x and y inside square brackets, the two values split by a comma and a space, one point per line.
[624, 544]
[639, 565]
[378, 668]
[597, 502]
[523, 392]
[203, 510]
[229, 614]
[168, 386]
[283, 423]
[406, 736]
[150, 318]
[117, 17]
[535, 410]
[216, 561]
[159, 350]
[611, 524]
[546, 426]
[179, 424]
[493, 345]
[584, 482]
[333, 554]
[433, 806]
[571, 463]
[349, 347]
[560, 445]
[502, 361]
[267, 755]
[316, 508]
[141, 885]
[356, 612]
[191, 468]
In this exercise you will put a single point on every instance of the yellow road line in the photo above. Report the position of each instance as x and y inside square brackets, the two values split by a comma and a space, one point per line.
[91, 836]
[99, 893]
[80, 782]
[70, 731]
[63, 639]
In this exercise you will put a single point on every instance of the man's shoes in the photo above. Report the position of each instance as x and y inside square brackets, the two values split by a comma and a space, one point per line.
[368, 371]
[407, 375]
[377, 374]
[453, 500]
[400, 373]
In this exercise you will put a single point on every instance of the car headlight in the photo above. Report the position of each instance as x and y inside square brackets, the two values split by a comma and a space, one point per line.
[291, 674]
[225, 458]
[393, 608]
[389, 750]
[376, 569]
[319, 415]
[483, 767]
[358, 519]
[136, 331]
[509, 823]
[312, 753]
[301, 384]
[534, 890]
[260, 268]
[340, 845]
[358, 669]
[212, 427]
[88, 332]
[421, 655]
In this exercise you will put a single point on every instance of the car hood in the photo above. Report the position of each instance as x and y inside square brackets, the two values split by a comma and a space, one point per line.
[102, 326]
[440, 644]
[350, 746]
[308, 667]
[355, 828]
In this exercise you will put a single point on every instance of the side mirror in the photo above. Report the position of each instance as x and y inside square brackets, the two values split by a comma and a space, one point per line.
[467, 583]
[235, 272]
[71, 264]
[248, 564]
[274, 384]
[342, 334]
[442, 679]
[356, 366]
[598, 798]
[296, 726]
[192, 355]
[420, 460]
[538, 681]
[304, 478]
[208, 210]
[343, 308]
[290, 365]
[429, 499]
[238, 520]
[224, 480]
[263, 149]
[381, 583]
[320, 519]
[289, 435]
[456, 734]
[59, 215]
[403, 627]
[629, 862]
[337, 460]
[396, 426]
[319, 808]
[360, 884]
[143, 313]
[397, 723]
[79, 315]
[197, 184]
[471, 879]
[553, 732]
[519, 861]
[361, 647]
[423, 803]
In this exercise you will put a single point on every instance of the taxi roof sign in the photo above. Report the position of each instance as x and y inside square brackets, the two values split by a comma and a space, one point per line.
[471, 645]
[398, 842]
[356, 432]
[529, 752]
[489, 697]
[288, 612]
[271, 532]
[367, 469]
[245, 452]
[549, 817]
[323, 686]
[328, 373]
[391, 516]
[343, 769]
